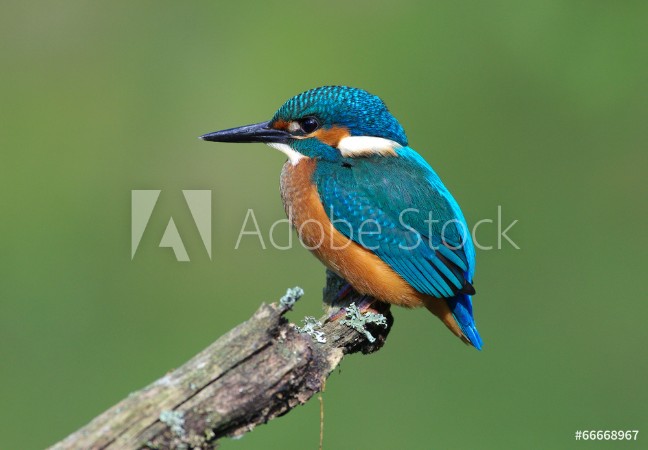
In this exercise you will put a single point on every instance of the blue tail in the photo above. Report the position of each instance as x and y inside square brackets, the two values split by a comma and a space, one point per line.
[461, 307]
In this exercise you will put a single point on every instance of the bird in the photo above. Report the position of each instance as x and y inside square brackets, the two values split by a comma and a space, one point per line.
[367, 205]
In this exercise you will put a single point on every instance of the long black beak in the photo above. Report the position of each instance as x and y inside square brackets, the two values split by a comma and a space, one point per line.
[259, 132]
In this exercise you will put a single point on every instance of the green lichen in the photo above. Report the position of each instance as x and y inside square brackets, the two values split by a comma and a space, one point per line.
[209, 434]
[310, 325]
[174, 420]
[357, 320]
[291, 297]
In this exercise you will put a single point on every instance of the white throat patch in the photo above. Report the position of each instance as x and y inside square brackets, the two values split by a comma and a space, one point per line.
[352, 146]
[293, 155]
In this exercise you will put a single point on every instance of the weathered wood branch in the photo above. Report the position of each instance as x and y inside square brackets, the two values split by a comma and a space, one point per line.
[259, 370]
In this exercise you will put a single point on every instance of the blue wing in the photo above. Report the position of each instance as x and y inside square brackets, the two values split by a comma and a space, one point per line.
[398, 208]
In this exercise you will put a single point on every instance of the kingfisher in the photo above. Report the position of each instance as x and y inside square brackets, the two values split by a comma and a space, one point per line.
[369, 206]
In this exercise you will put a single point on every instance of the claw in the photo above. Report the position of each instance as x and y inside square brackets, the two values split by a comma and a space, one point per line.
[344, 292]
[364, 306]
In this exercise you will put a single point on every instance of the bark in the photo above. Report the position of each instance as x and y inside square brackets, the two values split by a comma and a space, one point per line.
[259, 370]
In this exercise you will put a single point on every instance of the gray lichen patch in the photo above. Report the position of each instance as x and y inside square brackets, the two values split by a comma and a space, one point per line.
[310, 325]
[174, 420]
[291, 297]
[357, 320]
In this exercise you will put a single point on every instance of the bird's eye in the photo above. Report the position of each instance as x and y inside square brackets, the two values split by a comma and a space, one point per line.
[309, 124]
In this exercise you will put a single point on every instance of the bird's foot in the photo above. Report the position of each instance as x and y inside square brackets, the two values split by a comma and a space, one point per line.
[343, 292]
[364, 306]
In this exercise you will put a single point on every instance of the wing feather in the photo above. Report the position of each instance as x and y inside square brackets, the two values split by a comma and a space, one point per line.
[418, 224]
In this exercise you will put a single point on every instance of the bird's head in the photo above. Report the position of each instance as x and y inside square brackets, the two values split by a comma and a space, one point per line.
[325, 122]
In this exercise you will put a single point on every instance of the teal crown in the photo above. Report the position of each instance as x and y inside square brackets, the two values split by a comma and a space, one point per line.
[362, 113]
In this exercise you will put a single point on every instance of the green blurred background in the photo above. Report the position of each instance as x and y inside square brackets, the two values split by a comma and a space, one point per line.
[540, 107]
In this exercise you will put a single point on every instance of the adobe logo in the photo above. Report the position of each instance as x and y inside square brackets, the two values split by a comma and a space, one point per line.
[200, 205]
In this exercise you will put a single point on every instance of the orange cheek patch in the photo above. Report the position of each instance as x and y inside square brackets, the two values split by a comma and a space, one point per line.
[280, 125]
[331, 136]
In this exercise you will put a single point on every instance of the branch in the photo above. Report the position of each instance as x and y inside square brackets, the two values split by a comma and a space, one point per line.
[259, 370]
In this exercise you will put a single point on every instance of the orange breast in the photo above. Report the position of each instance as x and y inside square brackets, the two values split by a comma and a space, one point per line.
[366, 272]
